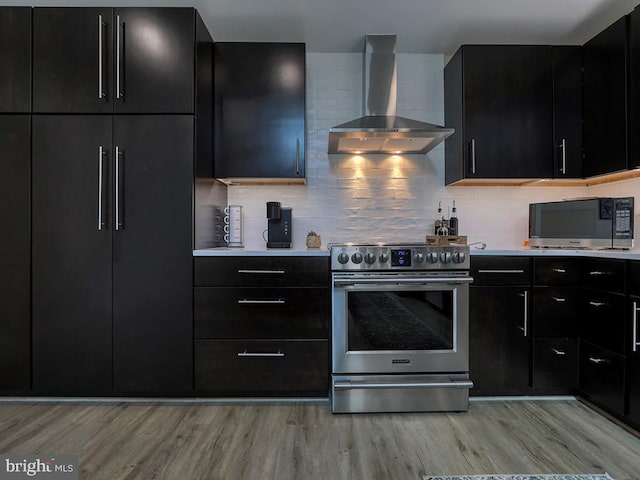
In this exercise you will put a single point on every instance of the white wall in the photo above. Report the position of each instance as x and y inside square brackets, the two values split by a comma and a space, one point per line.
[385, 198]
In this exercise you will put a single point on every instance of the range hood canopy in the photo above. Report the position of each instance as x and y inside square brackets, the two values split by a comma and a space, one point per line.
[380, 130]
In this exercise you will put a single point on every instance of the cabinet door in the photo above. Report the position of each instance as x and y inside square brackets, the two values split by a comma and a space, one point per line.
[605, 100]
[71, 303]
[567, 111]
[555, 365]
[72, 60]
[15, 179]
[508, 122]
[15, 59]
[602, 377]
[634, 360]
[634, 88]
[259, 110]
[152, 255]
[154, 64]
[498, 348]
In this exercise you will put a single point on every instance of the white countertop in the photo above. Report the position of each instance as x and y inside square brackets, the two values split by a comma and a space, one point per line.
[265, 252]
[562, 252]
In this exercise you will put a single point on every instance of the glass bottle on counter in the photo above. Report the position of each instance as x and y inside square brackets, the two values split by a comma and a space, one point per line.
[453, 221]
[438, 221]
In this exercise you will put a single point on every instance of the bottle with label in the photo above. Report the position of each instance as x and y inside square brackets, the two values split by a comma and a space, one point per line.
[453, 221]
[438, 222]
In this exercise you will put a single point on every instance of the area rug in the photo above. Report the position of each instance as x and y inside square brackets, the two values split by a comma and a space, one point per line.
[603, 476]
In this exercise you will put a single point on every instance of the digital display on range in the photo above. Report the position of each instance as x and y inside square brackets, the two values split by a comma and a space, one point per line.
[401, 258]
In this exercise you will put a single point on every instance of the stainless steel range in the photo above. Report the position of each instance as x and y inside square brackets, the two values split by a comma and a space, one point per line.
[400, 318]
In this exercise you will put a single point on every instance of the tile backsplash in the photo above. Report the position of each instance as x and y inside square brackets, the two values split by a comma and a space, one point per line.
[390, 198]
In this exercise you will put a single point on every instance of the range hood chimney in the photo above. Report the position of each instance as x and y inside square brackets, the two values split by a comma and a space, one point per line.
[380, 130]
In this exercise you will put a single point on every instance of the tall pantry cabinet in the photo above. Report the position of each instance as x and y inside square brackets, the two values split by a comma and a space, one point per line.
[114, 147]
[15, 132]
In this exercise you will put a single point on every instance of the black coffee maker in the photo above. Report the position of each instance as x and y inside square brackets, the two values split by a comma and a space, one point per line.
[278, 226]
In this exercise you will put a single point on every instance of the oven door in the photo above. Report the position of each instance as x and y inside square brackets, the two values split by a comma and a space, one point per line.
[400, 323]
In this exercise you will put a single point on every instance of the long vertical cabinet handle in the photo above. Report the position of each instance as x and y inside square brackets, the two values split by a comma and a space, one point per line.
[101, 94]
[101, 154]
[526, 313]
[636, 344]
[297, 156]
[473, 155]
[119, 94]
[117, 189]
[525, 325]
[563, 146]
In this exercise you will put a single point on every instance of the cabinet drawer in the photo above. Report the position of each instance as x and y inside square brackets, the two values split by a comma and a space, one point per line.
[500, 270]
[556, 311]
[603, 319]
[602, 374]
[262, 368]
[634, 278]
[555, 364]
[604, 274]
[262, 271]
[261, 312]
[556, 271]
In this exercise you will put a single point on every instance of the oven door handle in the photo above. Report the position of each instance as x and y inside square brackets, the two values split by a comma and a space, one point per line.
[400, 281]
[364, 386]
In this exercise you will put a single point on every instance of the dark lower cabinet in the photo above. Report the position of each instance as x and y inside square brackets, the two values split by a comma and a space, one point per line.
[499, 349]
[602, 377]
[112, 254]
[555, 365]
[15, 271]
[262, 368]
[72, 257]
[633, 351]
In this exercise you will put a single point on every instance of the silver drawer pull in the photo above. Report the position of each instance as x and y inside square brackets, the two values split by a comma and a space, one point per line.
[597, 272]
[559, 300]
[559, 270]
[597, 304]
[364, 386]
[255, 354]
[247, 301]
[635, 343]
[598, 361]
[500, 271]
[558, 352]
[272, 272]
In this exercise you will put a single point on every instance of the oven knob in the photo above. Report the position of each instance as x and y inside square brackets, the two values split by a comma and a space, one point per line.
[458, 257]
[445, 257]
[356, 258]
[370, 258]
[419, 257]
[384, 258]
[433, 257]
[343, 258]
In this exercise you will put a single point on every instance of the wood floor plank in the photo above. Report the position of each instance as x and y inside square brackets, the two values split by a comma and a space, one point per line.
[129, 441]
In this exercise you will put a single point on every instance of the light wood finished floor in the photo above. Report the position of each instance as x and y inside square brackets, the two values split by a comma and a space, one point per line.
[305, 441]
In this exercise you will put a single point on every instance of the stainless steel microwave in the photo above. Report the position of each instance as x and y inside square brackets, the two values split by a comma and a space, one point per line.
[582, 223]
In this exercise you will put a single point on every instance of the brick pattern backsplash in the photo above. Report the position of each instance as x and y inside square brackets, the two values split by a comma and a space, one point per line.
[388, 198]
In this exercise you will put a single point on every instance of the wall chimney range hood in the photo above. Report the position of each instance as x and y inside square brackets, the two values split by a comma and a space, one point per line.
[380, 130]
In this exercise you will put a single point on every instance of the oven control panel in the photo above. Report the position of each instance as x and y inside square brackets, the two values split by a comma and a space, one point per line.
[397, 257]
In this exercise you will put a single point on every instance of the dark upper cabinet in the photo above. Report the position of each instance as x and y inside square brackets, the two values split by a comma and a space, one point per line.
[15, 178]
[259, 110]
[605, 100]
[103, 60]
[15, 59]
[633, 160]
[112, 254]
[567, 111]
[499, 100]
